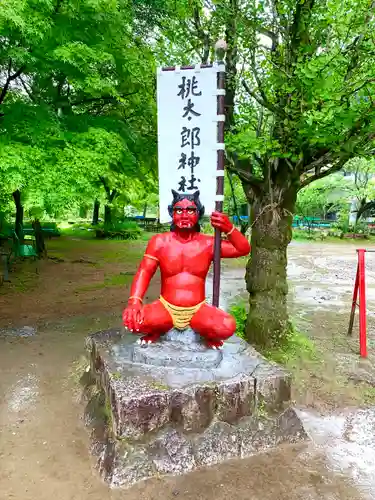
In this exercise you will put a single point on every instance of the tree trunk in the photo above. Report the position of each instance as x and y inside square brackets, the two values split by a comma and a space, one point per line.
[107, 214]
[144, 210]
[83, 211]
[111, 195]
[39, 239]
[95, 215]
[19, 214]
[266, 273]
[360, 210]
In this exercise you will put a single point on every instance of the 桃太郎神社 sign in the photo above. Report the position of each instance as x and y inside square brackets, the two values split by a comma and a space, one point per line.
[187, 135]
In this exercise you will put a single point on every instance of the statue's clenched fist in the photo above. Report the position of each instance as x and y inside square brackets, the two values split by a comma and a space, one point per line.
[133, 317]
[221, 221]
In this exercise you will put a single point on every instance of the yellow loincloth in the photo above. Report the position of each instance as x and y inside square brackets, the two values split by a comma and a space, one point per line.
[181, 316]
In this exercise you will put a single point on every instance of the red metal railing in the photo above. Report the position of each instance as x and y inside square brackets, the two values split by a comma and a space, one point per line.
[360, 288]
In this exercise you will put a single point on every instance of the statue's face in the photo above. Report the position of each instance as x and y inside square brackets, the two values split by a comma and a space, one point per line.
[185, 214]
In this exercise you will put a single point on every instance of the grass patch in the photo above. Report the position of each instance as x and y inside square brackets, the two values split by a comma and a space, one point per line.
[297, 346]
[83, 233]
[121, 279]
[319, 381]
[118, 279]
[23, 278]
[124, 255]
[369, 396]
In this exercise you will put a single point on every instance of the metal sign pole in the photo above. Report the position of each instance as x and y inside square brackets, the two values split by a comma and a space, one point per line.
[220, 51]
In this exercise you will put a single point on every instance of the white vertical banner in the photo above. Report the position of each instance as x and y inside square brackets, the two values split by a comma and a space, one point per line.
[187, 135]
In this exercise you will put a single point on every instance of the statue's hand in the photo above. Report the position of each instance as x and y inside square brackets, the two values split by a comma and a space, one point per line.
[221, 221]
[133, 317]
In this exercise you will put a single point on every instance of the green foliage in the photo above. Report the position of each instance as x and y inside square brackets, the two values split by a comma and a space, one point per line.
[303, 94]
[77, 109]
[239, 312]
[207, 228]
[127, 230]
[301, 235]
[6, 228]
[363, 184]
[234, 195]
[324, 196]
[342, 223]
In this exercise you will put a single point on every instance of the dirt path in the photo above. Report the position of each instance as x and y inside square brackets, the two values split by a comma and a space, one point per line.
[43, 445]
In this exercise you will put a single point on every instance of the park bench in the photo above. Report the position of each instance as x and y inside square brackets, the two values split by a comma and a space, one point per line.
[150, 224]
[158, 228]
[5, 255]
[49, 230]
[11, 249]
[313, 222]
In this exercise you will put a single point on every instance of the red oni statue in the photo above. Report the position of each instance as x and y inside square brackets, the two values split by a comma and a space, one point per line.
[184, 256]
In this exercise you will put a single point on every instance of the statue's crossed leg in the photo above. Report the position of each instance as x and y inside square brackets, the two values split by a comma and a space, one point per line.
[211, 323]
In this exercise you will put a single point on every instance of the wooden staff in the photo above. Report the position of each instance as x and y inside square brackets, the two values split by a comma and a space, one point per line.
[220, 48]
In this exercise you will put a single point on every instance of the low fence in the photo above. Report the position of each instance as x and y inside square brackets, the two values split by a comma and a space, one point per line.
[359, 300]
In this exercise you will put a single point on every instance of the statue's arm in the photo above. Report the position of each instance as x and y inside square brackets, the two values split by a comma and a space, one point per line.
[146, 271]
[237, 244]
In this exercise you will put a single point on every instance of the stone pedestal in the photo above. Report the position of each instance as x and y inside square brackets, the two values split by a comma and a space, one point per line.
[170, 407]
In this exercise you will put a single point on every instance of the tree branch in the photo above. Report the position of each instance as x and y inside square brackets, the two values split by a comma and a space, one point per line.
[272, 36]
[263, 103]
[354, 46]
[299, 26]
[102, 98]
[321, 159]
[202, 35]
[104, 182]
[244, 175]
[320, 174]
[256, 76]
[31, 97]
[9, 79]
[57, 7]
[281, 15]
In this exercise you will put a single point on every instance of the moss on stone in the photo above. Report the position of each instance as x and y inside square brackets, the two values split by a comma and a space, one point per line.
[158, 385]
[107, 413]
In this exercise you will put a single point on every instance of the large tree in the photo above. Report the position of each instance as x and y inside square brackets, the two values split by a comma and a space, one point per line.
[299, 105]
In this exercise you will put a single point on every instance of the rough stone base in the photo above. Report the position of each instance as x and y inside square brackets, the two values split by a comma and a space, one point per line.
[174, 406]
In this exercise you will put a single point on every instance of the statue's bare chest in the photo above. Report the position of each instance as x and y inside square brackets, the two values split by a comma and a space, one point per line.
[193, 257]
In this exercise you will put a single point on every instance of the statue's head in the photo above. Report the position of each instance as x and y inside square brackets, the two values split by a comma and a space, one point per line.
[186, 211]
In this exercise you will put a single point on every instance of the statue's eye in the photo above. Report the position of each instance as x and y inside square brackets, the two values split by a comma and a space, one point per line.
[179, 211]
[191, 211]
